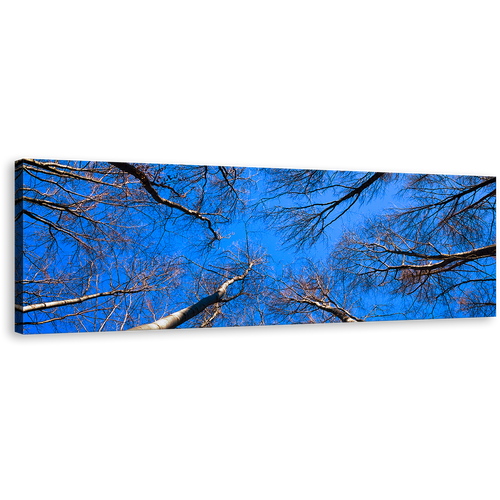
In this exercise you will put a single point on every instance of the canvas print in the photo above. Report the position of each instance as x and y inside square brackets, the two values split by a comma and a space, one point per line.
[107, 246]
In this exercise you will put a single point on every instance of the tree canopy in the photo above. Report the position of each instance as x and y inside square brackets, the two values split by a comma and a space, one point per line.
[114, 245]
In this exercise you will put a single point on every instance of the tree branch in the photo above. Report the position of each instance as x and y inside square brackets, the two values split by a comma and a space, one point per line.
[146, 183]
[456, 259]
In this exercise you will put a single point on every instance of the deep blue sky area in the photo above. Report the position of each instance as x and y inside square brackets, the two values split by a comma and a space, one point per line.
[258, 234]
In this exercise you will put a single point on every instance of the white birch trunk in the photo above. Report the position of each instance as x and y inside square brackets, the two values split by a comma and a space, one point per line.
[179, 317]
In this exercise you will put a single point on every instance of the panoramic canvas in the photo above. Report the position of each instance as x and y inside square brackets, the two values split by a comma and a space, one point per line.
[107, 246]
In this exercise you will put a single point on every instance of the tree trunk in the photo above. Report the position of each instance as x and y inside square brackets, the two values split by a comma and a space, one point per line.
[179, 317]
[67, 302]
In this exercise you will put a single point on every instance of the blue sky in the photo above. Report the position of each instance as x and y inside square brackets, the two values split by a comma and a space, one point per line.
[259, 233]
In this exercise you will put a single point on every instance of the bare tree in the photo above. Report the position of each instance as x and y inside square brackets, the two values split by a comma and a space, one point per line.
[72, 219]
[210, 195]
[303, 204]
[98, 238]
[91, 299]
[225, 282]
[436, 254]
[310, 292]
